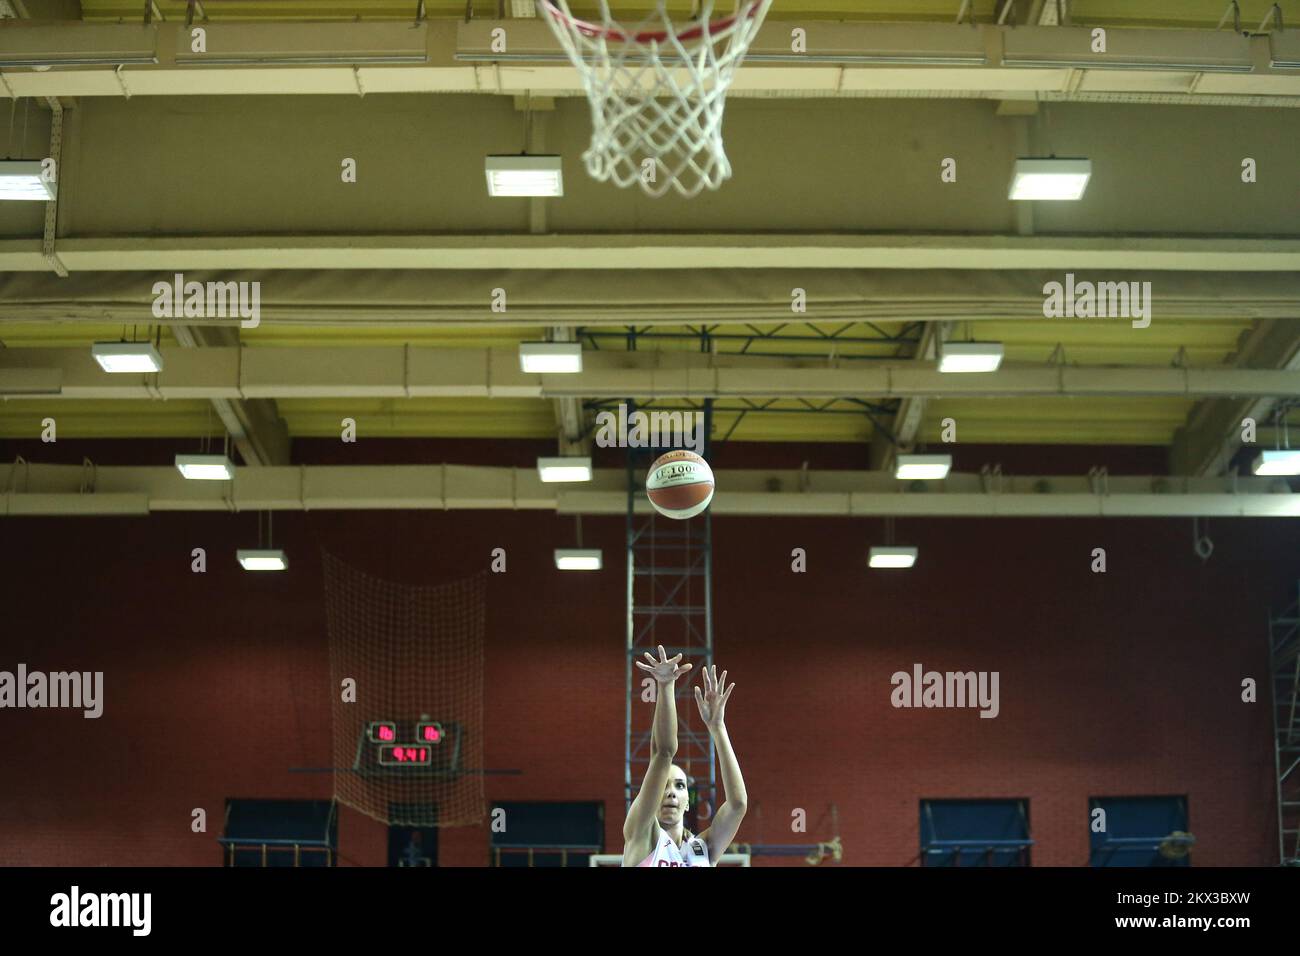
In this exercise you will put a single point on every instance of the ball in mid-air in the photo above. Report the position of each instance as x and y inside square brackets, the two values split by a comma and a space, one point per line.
[680, 484]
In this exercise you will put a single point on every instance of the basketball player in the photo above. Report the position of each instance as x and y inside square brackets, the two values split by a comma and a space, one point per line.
[654, 833]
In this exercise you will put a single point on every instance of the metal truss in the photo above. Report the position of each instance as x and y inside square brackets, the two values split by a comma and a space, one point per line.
[740, 407]
[836, 339]
[1284, 674]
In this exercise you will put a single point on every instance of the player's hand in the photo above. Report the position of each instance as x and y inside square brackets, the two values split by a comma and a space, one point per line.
[713, 699]
[665, 670]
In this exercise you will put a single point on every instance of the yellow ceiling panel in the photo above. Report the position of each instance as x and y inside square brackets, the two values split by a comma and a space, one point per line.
[291, 335]
[21, 418]
[1206, 343]
[421, 417]
[1056, 420]
[68, 334]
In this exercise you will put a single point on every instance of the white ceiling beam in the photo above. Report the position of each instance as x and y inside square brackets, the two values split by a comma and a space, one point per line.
[420, 371]
[60, 489]
[906, 422]
[254, 424]
[653, 251]
[448, 56]
[570, 432]
[1211, 435]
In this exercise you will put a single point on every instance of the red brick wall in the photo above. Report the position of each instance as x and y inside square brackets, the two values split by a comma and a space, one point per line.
[1126, 683]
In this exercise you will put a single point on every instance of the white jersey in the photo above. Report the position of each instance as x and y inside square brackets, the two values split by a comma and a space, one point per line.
[693, 851]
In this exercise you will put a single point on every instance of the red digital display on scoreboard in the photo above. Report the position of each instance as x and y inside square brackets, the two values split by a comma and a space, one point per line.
[394, 755]
[383, 732]
[429, 733]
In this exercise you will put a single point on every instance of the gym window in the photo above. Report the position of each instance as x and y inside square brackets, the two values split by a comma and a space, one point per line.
[280, 833]
[547, 834]
[1139, 831]
[975, 833]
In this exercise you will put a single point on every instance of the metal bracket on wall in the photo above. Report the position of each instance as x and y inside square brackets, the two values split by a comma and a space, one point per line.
[52, 206]
[991, 479]
[1099, 480]
[88, 476]
[1236, 17]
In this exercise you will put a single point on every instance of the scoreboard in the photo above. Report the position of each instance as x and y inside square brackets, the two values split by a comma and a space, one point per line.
[404, 746]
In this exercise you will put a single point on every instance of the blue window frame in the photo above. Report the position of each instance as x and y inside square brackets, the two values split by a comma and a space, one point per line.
[1139, 831]
[548, 834]
[280, 833]
[975, 833]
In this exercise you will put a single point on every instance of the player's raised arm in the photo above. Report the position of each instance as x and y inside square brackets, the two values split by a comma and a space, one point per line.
[726, 822]
[663, 747]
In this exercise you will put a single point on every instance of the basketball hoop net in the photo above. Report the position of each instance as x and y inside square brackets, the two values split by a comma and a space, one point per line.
[657, 92]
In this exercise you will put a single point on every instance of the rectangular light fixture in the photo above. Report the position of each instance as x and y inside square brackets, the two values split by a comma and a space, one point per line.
[892, 557]
[1050, 178]
[550, 357]
[1280, 461]
[205, 467]
[262, 559]
[524, 176]
[970, 356]
[21, 179]
[564, 469]
[578, 559]
[127, 356]
[924, 467]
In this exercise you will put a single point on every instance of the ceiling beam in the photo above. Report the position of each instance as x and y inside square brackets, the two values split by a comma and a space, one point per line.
[254, 424]
[573, 439]
[1211, 436]
[629, 296]
[654, 251]
[35, 489]
[845, 58]
[420, 371]
[902, 431]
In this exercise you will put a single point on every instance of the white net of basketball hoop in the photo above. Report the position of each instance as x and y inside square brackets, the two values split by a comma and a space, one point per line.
[657, 92]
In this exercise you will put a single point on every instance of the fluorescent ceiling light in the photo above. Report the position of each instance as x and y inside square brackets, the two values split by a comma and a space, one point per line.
[564, 469]
[127, 356]
[262, 559]
[892, 557]
[1050, 178]
[970, 356]
[550, 357]
[205, 467]
[524, 176]
[20, 179]
[578, 559]
[1281, 461]
[924, 467]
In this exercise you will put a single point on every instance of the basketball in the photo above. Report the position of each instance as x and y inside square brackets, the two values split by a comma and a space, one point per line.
[680, 484]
